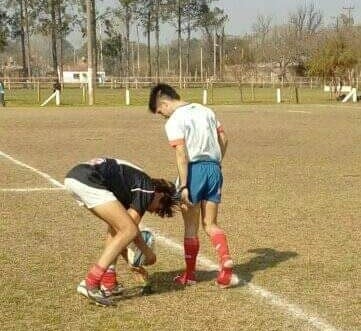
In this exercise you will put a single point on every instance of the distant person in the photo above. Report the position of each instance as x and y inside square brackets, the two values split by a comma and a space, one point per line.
[56, 86]
[200, 144]
[119, 193]
[2, 93]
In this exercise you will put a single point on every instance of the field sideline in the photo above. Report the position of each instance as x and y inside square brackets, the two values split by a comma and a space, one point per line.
[72, 96]
[290, 204]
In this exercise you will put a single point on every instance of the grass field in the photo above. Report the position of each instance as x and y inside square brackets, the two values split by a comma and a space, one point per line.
[73, 96]
[291, 206]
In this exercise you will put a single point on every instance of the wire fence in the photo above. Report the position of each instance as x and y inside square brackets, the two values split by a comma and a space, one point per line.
[116, 91]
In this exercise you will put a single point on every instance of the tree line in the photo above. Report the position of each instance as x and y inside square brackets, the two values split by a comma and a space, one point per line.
[201, 48]
[55, 19]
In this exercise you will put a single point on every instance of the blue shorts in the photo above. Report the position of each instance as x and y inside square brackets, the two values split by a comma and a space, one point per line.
[205, 181]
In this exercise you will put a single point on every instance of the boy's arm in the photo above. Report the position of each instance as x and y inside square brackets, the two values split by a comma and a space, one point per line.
[150, 257]
[223, 142]
[182, 165]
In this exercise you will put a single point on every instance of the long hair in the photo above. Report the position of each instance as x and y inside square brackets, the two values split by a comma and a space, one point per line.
[161, 90]
[170, 200]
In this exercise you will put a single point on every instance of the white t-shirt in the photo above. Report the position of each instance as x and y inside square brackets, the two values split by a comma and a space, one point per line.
[196, 127]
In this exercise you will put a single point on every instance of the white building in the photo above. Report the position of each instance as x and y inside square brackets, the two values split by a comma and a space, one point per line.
[79, 74]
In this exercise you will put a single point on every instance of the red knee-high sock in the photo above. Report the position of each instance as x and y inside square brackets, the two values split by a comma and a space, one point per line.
[94, 276]
[191, 249]
[219, 241]
[109, 279]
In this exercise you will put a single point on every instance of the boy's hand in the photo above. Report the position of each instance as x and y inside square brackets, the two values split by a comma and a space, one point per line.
[185, 197]
[150, 258]
[140, 274]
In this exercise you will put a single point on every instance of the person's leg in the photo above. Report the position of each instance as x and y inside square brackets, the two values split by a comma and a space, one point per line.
[104, 205]
[109, 283]
[191, 244]
[191, 217]
[116, 216]
[216, 234]
[219, 241]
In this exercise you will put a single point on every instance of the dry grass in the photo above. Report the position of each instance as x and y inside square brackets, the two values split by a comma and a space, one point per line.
[290, 206]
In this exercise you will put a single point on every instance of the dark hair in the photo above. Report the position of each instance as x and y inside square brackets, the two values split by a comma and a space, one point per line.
[169, 201]
[161, 90]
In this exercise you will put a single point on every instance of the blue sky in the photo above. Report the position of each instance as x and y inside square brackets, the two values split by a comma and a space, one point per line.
[242, 14]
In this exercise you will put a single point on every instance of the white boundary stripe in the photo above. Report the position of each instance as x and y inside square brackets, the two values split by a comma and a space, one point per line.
[42, 174]
[277, 301]
[254, 290]
[34, 189]
[300, 111]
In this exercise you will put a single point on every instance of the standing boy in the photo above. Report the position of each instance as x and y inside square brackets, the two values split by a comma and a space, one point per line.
[200, 144]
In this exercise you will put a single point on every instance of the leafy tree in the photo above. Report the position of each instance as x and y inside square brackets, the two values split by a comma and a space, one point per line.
[113, 51]
[17, 27]
[191, 11]
[305, 24]
[145, 16]
[211, 22]
[333, 60]
[3, 30]
[262, 28]
[126, 12]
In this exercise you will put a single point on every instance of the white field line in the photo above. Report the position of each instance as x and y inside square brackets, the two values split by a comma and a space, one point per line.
[257, 291]
[42, 174]
[33, 189]
[300, 111]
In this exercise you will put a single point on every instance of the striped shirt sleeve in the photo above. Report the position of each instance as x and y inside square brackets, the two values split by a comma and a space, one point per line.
[142, 196]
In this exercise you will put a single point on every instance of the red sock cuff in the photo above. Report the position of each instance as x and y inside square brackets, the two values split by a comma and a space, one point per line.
[97, 270]
[109, 279]
[217, 238]
[191, 241]
[216, 231]
[94, 276]
[191, 246]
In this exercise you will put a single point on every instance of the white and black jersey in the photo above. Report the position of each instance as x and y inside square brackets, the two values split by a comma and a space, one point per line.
[129, 184]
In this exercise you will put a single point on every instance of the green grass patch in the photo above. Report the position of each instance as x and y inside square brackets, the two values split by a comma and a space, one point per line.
[106, 96]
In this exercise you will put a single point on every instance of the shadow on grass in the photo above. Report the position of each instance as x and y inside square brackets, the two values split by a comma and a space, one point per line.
[162, 282]
[266, 258]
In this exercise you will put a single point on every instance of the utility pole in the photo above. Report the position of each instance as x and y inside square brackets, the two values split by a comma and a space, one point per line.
[220, 61]
[53, 37]
[27, 36]
[201, 64]
[22, 36]
[349, 9]
[215, 54]
[133, 66]
[180, 42]
[168, 63]
[91, 48]
[138, 59]
[157, 59]
[101, 47]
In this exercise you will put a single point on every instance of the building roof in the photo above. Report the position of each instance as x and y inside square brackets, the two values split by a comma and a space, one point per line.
[76, 67]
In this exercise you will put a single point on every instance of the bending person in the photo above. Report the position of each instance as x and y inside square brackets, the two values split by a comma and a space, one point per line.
[119, 193]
